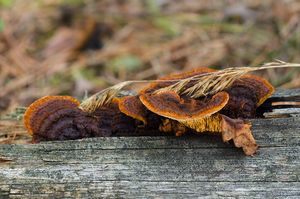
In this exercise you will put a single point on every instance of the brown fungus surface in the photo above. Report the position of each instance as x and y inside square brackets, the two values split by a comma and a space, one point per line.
[133, 107]
[59, 118]
[240, 100]
[143, 122]
[39, 110]
[246, 94]
[68, 124]
[112, 121]
[181, 108]
[170, 105]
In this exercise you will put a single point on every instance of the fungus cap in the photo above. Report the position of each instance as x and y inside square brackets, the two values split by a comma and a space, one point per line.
[133, 107]
[262, 88]
[183, 109]
[246, 94]
[169, 104]
[45, 106]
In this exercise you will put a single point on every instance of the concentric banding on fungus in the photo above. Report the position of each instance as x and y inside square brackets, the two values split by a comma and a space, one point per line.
[43, 107]
[68, 124]
[262, 88]
[169, 104]
[246, 94]
[133, 107]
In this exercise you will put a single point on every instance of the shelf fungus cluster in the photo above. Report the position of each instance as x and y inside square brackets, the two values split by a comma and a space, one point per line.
[155, 111]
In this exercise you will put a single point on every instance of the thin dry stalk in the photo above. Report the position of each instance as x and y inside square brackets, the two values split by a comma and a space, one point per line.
[207, 84]
[285, 103]
[103, 97]
[200, 85]
[211, 83]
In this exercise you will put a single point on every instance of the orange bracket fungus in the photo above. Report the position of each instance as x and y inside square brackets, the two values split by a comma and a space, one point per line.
[58, 118]
[133, 107]
[165, 105]
[216, 113]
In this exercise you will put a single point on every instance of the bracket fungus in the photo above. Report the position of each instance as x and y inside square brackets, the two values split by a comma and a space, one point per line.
[246, 94]
[158, 109]
[38, 111]
[58, 118]
[216, 113]
[132, 106]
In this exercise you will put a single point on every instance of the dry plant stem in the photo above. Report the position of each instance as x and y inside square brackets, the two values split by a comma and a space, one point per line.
[211, 83]
[105, 96]
[285, 103]
[205, 84]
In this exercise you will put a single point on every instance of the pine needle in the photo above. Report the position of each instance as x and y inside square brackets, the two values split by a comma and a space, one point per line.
[200, 85]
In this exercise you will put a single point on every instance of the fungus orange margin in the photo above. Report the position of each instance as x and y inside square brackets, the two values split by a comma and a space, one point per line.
[36, 112]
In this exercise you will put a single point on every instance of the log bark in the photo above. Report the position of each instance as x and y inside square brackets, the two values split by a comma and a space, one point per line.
[158, 167]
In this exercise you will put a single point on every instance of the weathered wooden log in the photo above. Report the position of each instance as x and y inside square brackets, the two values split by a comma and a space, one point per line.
[163, 167]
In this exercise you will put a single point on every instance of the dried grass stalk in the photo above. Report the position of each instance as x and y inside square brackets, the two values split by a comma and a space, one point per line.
[103, 97]
[201, 85]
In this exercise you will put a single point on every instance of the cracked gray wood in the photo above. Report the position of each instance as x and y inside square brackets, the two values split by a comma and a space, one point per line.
[164, 167]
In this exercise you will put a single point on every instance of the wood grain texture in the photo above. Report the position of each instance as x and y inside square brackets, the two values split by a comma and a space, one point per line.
[157, 167]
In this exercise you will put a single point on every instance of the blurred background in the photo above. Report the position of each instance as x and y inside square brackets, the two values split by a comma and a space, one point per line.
[78, 47]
